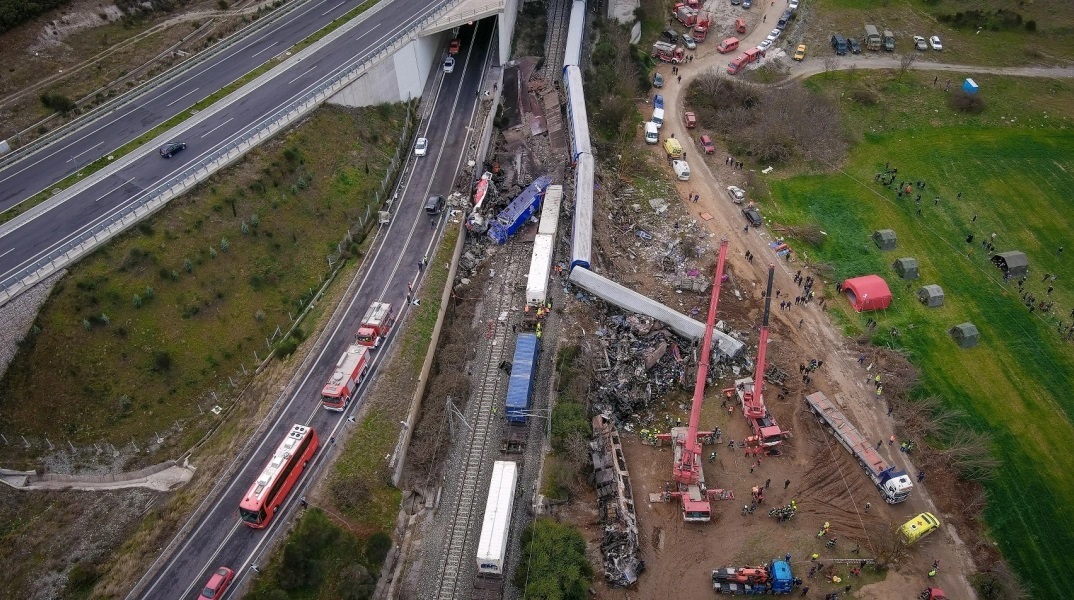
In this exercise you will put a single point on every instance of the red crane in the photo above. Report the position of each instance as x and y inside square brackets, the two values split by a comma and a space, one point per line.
[689, 478]
[766, 432]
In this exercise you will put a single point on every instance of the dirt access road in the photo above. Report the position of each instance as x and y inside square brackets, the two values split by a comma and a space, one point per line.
[825, 481]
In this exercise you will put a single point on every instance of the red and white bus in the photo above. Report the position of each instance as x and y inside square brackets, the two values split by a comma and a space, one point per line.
[275, 482]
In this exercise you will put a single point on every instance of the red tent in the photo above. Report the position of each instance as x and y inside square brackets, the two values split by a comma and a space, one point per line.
[868, 292]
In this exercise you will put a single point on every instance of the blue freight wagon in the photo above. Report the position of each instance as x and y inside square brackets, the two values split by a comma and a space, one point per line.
[523, 372]
[512, 218]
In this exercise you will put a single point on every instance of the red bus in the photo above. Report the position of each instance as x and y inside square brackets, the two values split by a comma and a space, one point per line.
[273, 484]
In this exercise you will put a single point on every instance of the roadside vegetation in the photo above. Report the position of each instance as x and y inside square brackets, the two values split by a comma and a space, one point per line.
[531, 29]
[149, 333]
[322, 559]
[572, 429]
[996, 414]
[553, 564]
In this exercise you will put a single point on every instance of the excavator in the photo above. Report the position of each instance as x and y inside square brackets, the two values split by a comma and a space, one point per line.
[690, 488]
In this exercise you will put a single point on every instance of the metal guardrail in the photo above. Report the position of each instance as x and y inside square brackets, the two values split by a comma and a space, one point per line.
[145, 87]
[159, 195]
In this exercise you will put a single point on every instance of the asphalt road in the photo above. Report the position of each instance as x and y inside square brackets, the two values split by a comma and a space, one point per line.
[31, 243]
[219, 539]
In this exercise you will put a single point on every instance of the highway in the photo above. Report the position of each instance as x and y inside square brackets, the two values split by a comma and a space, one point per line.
[30, 243]
[218, 538]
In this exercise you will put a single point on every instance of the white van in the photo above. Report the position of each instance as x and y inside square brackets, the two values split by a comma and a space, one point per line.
[682, 170]
[652, 134]
[658, 117]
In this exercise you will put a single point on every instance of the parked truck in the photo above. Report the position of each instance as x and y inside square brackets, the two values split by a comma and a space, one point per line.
[376, 325]
[669, 53]
[701, 29]
[872, 38]
[345, 379]
[747, 57]
[889, 40]
[686, 15]
[773, 578]
[895, 485]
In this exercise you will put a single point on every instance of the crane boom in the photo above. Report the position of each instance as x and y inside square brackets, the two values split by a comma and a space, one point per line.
[687, 470]
[754, 404]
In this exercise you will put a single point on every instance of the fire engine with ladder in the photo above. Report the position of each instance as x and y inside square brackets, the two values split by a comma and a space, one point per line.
[689, 486]
[767, 435]
[345, 379]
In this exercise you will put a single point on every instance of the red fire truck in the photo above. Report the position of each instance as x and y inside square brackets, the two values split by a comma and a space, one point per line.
[376, 325]
[349, 373]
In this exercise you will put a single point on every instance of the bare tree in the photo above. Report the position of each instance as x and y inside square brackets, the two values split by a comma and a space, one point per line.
[831, 63]
[905, 62]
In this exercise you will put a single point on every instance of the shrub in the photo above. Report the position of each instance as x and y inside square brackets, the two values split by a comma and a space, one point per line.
[137, 301]
[58, 102]
[222, 4]
[554, 563]
[1031, 26]
[967, 103]
[187, 265]
[162, 361]
[148, 292]
[225, 244]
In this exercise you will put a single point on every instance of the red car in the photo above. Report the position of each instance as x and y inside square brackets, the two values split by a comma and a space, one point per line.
[707, 145]
[217, 584]
[454, 46]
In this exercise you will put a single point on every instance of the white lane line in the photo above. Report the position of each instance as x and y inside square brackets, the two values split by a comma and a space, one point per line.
[114, 189]
[181, 97]
[217, 127]
[6, 253]
[306, 72]
[270, 47]
[331, 9]
[72, 159]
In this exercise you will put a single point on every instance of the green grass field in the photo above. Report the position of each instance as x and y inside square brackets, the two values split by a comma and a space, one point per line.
[138, 334]
[1015, 168]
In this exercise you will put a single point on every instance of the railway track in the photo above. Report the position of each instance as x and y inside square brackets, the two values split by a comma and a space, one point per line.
[456, 568]
[555, 40]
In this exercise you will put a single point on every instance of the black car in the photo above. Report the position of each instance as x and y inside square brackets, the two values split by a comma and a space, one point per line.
[855, 47]
[172, 148]
[752, 215]
[434, 205]
[670, 36]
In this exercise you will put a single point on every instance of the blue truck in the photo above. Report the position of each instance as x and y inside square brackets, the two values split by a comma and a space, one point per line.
[512, 218]
[774, 578]
[523, 373]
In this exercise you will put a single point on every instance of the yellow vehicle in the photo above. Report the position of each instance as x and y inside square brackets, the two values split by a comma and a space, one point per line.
[673, 148]
[918, 527]
[799, 54]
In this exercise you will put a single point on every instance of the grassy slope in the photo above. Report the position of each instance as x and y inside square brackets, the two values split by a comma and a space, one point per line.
[1017, 178]
[207, 319]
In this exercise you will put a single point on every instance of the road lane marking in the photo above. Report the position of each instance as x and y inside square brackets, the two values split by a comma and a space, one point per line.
[217, 127]
[181, 97]
[114, 189]
[72, 159]
[304, 73]
[270, 47]
[331, 9]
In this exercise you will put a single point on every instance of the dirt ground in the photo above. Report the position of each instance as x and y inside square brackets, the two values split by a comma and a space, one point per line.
[825, 481]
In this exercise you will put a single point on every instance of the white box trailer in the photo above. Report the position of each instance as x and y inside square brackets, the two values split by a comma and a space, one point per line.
[492, 549]
[553, 199]
[540, 268]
